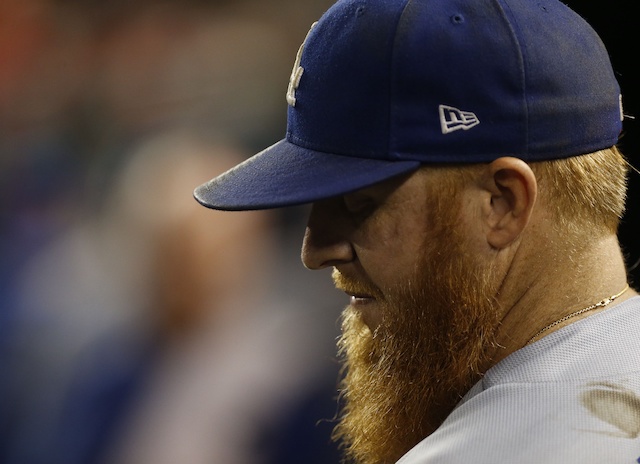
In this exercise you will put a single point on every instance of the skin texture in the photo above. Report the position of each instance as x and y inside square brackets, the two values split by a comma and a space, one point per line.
[443, 283]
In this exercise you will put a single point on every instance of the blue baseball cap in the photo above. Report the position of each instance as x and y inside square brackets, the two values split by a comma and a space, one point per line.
[381, 87]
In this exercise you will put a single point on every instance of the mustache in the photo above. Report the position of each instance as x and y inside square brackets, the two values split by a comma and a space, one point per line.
[355, 286]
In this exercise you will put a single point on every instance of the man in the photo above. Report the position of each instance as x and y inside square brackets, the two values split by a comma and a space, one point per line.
[460, 158]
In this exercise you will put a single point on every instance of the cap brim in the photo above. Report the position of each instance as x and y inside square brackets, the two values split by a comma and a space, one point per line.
[286, 175]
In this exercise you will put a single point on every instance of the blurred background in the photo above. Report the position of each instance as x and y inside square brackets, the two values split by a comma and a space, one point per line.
[136, 326]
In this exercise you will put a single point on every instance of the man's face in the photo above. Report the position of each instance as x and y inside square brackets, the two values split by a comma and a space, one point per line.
[421, 315]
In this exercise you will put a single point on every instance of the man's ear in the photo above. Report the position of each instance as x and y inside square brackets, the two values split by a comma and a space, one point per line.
[513, 190]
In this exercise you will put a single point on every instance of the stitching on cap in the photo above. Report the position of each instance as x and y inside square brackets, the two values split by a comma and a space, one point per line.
[392, 80]
[503, 5]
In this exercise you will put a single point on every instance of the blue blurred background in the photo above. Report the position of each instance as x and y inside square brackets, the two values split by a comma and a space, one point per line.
[136, 326]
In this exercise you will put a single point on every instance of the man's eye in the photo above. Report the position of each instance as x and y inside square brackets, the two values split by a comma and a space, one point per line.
[359, 206]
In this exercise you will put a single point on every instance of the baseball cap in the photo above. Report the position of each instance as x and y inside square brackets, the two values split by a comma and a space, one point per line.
[380, 87]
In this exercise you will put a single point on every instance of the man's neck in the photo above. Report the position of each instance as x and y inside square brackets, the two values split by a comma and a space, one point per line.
[545, 286]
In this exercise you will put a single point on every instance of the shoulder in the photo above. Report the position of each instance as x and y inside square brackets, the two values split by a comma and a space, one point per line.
[555, 422]
[574, 398]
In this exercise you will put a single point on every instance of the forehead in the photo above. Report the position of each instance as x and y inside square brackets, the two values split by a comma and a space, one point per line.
[432, 180]
[382, 189]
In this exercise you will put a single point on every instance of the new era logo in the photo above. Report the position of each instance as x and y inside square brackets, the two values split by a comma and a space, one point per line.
[453, 119]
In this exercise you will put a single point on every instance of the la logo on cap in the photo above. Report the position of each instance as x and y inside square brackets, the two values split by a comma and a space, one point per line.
[296, 72]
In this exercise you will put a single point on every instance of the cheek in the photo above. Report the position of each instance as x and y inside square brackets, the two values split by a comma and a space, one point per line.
[390, 255]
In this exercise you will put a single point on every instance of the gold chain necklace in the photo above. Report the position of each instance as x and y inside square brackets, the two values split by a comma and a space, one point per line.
[600, 304]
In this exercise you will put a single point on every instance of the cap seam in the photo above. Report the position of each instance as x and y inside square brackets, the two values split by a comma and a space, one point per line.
[330, 150]
[393, 83]
[521, 49]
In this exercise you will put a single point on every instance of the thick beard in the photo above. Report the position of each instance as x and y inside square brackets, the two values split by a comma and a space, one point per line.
[402, 381]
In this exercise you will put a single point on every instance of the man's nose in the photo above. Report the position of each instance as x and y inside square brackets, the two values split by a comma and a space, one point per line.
[325, 241]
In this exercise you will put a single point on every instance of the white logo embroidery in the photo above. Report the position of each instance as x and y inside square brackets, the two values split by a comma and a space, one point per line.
[453, 119]
[296, 72]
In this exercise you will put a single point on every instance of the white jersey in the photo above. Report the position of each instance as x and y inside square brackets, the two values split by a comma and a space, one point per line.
[572, 397]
